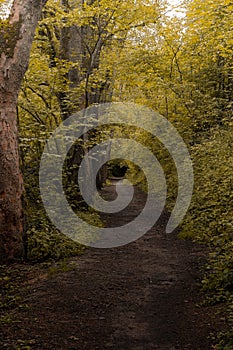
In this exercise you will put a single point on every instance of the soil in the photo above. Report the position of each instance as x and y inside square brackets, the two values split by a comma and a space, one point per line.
[142, 296]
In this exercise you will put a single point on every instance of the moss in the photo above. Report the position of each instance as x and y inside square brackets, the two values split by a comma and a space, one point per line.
[9, 35]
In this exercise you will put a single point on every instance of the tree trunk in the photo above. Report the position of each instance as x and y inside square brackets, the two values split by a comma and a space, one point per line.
[82, 45]
[16, 36]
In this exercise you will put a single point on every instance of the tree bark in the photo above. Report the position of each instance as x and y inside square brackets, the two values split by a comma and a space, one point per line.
[83, 46]
[16, 36]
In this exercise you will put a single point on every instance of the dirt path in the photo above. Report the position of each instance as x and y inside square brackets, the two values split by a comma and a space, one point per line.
[142, 296]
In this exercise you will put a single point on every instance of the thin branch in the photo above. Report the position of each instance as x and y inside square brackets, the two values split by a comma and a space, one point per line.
[35, 116]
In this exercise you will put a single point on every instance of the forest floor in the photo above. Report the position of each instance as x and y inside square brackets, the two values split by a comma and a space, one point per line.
[142, 296]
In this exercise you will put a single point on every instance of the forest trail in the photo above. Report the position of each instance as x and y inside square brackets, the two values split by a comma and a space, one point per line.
[143, 296]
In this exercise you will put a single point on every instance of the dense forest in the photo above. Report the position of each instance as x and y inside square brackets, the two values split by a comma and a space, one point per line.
[89, 52]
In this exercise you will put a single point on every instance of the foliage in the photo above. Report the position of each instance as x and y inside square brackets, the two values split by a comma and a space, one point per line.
[186, 75]
[181, 68]
[48, 94]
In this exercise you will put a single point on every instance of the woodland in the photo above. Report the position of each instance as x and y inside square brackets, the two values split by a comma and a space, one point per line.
[59, 57]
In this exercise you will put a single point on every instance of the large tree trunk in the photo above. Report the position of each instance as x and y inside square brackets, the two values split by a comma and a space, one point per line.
[16, 36]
